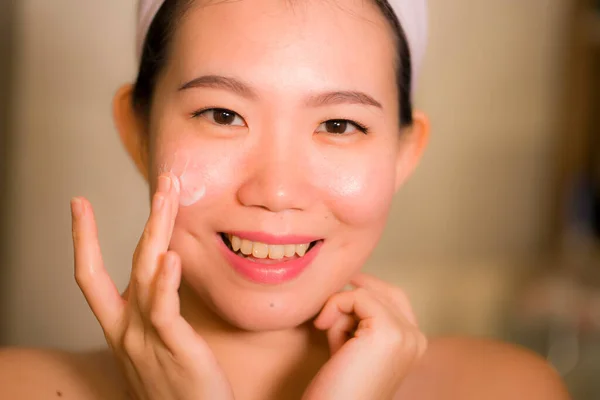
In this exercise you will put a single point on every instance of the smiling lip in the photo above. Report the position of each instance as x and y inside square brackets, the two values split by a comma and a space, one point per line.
[271, 273]
[272, 239]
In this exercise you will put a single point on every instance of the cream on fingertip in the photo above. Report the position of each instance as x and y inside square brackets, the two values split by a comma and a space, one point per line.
[176, 183]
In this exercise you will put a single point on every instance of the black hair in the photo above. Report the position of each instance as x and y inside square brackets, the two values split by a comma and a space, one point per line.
[155, 54]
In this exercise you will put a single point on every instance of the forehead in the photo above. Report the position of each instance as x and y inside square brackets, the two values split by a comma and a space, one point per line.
[288, 42]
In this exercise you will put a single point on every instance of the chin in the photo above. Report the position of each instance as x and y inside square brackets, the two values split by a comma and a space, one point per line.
[258, 320]
[267, 311]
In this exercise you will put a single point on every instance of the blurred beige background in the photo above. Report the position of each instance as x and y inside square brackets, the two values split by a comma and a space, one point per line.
[477, 206]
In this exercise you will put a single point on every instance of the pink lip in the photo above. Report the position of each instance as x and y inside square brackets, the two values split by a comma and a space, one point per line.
[270, 274]
[272, 239]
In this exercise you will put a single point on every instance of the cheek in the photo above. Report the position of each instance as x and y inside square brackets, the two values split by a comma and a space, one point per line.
[359, 189]
[204, 174]
[192, 182]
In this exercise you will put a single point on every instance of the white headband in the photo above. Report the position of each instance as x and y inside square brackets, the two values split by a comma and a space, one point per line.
[412, 15]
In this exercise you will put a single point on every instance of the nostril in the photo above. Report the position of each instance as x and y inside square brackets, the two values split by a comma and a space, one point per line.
[274, 192]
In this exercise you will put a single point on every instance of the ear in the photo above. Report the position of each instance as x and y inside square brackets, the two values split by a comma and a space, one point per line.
[413, 141]
[132, 128]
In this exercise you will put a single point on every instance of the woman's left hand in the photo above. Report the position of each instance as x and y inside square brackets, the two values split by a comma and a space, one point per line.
[374, 342]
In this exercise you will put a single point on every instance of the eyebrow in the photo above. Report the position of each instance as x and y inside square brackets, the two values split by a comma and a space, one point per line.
[318, 100]
[221, 82]
[342, 97]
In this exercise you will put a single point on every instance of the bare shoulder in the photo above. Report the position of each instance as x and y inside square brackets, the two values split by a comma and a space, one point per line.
[48, 374]
[468, 368]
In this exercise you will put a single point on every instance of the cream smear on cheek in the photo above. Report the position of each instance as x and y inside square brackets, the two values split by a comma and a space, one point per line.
[190, 183]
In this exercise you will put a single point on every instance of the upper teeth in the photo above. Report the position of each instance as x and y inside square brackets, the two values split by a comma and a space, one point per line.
[262, 250]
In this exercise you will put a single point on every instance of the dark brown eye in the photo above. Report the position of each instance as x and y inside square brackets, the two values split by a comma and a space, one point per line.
[221, 116]
[336, 126]
[341, 127]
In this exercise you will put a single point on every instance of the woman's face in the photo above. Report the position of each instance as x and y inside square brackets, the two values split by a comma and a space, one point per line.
[271, 170]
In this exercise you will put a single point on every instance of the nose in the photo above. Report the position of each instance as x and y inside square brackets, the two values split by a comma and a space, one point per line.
[276, 178]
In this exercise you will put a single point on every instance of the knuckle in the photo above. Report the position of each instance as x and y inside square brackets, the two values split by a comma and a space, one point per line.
[397, 338]
[139, 279]
[76, 235]
[413, 343]
[130, 342]
[366, 325]
[148, 233]
[361, 292]
[82, 277]
[159, 320]
[331, 301]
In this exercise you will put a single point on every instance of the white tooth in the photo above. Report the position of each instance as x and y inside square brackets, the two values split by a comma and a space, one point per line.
[236, 243]
[276, 251]
[289, 250]
[260, 250]
[301, 249]
[246, 247]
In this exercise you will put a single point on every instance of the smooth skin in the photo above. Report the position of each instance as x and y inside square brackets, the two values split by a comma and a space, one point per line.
[188, 326]
[162, 357]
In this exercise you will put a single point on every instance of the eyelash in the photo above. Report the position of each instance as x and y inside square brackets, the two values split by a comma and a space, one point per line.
[199, 113]
[360, 127]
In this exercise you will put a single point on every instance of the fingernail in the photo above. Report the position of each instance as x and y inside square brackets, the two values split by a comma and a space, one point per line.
[158, 202]
[176, 184]
[77, 207]
[164, 184]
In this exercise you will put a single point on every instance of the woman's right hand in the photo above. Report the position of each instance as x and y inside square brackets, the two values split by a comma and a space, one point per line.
[162, 357]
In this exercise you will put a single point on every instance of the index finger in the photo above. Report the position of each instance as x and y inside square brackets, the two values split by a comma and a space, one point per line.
[158, 231]
[98, 288]
[155, 239]
[391, 294]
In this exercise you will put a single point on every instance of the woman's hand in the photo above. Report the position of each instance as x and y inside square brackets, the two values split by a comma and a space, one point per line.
[374, 342]
[161, 355]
